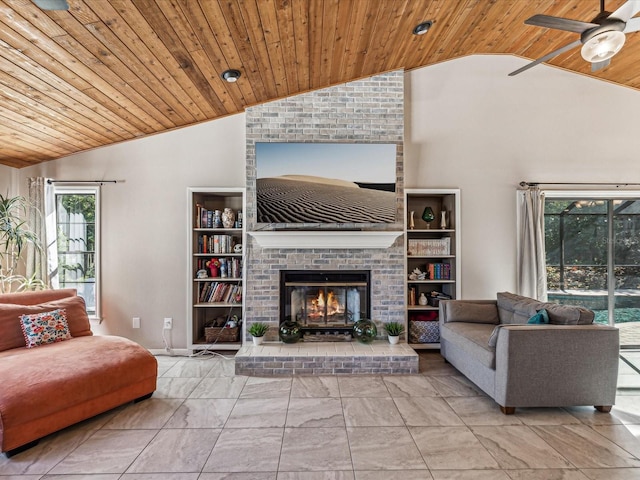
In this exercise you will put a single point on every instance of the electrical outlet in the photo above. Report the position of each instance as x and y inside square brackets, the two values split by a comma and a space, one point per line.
[136, 322]
[168, 323]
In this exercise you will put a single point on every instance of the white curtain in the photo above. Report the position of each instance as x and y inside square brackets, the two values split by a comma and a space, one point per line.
[41, 262]
[531, 264]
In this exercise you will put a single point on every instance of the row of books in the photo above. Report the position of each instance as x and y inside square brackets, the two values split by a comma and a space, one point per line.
[213, 218]
[439, 271]
[233, 265]
[222, 292]
[215, 244]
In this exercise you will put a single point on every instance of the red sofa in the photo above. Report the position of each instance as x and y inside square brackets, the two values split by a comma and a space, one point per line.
[49, 387]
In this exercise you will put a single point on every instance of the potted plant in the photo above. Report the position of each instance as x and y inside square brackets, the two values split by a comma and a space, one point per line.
[257, 331]
[394, 330]
[14, 237]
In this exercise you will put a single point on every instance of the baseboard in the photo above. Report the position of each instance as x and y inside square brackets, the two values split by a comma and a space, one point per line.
[174, 352]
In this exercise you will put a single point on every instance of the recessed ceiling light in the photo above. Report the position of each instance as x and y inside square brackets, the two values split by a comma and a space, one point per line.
[422, 28]
[231, 75]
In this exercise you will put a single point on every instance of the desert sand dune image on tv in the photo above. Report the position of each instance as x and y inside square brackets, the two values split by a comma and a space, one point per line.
[325, 183]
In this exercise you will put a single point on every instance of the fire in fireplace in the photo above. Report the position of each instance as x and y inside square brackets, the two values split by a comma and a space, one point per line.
[324, 303]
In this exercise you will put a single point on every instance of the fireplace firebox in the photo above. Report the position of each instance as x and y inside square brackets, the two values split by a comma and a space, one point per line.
[325, 303]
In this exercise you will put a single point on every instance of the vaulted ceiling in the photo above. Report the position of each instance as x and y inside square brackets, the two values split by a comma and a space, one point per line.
[106, 71]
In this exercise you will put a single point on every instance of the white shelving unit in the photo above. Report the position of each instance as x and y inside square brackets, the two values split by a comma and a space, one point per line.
[201, 314]
[447, 278]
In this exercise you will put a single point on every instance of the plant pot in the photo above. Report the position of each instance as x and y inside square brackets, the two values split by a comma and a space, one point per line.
[394, 339]
[258, 340]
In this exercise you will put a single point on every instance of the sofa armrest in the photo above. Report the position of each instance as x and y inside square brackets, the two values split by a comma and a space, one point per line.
[469, 306]
[556, 365]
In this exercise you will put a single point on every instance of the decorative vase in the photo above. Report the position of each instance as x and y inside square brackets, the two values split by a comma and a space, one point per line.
[228, 218]
[258, 340]
[365, 331]
[443, 219]
[412, 223]
[428, 216]
[393, 339]
[290, 331]
[423, 299]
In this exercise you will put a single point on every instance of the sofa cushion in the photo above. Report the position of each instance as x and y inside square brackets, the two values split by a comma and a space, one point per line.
[473, 338]
[516, 309]
[46, 327]
[11, 335]
[71, 379]
[562, 314]
[37, 296]
[569, 314]
[472, 312]
[542, 317]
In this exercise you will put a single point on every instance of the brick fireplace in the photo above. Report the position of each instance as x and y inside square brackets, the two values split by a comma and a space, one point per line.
[367, 111]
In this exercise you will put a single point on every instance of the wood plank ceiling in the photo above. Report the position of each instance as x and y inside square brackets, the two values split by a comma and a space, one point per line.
[106, 71]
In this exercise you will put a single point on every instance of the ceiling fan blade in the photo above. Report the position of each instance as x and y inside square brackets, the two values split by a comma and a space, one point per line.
[595, 66]
[633, 25]
[548, 56]
[558, 23]
[627, 10]
[52, 4]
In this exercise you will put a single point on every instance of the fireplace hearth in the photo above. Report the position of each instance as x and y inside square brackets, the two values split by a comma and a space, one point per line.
[325, 303]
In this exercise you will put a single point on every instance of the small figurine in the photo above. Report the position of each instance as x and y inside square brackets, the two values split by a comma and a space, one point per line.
[201, 273]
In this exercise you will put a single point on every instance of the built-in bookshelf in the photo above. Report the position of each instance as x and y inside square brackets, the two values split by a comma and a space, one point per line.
[216, 268]
[432, 265]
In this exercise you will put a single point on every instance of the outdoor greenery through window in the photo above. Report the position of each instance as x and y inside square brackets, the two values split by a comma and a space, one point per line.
[593, 255]
[77, 241]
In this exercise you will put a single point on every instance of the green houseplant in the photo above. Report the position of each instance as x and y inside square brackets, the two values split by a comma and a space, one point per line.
[394, 330]
[15, 235]
[257, 331]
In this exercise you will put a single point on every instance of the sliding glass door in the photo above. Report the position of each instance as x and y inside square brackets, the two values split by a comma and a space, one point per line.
[593, 258]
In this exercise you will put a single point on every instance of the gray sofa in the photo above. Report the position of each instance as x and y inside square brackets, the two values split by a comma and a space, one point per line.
[569, 361]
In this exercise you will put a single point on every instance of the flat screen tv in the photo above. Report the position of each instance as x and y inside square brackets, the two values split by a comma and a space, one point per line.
[325, 183]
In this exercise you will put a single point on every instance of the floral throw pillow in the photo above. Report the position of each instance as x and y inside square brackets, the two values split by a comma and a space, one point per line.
[45, 327]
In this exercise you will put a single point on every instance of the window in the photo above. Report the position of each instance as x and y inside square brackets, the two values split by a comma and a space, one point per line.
[593, 254]
[77, 238]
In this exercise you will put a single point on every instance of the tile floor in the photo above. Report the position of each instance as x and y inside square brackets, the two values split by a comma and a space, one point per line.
[206, 423]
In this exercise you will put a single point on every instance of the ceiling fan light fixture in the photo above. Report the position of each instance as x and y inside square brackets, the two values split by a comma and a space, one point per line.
[231, 75]
[422, 28]
[603, 46]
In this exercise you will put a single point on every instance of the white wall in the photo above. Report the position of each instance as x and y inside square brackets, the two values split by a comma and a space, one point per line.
[471, 126]
[144, 219]
[8, 180]
[468, 125]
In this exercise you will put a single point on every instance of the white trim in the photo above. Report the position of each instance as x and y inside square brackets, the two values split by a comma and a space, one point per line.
[326, 239]
[95, 191]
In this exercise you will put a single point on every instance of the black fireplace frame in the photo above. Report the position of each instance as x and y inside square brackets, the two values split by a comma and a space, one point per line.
[347, 276]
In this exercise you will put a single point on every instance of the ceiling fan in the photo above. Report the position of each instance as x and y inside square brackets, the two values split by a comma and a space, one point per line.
[601, 38]
[52, 4]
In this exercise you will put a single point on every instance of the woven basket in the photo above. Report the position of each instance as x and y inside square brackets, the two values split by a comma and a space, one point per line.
[221, 334]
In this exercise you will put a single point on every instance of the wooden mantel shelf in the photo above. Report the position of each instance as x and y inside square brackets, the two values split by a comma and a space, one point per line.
[316, 239]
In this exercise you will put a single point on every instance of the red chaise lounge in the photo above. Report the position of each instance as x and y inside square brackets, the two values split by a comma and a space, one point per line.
[49, 387]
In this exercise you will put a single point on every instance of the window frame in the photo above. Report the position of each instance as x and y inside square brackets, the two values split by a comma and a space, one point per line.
[599, 195]
[84, 190]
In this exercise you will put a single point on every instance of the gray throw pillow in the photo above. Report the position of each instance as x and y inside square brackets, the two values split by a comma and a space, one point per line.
[472, 312]
[562, 314]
